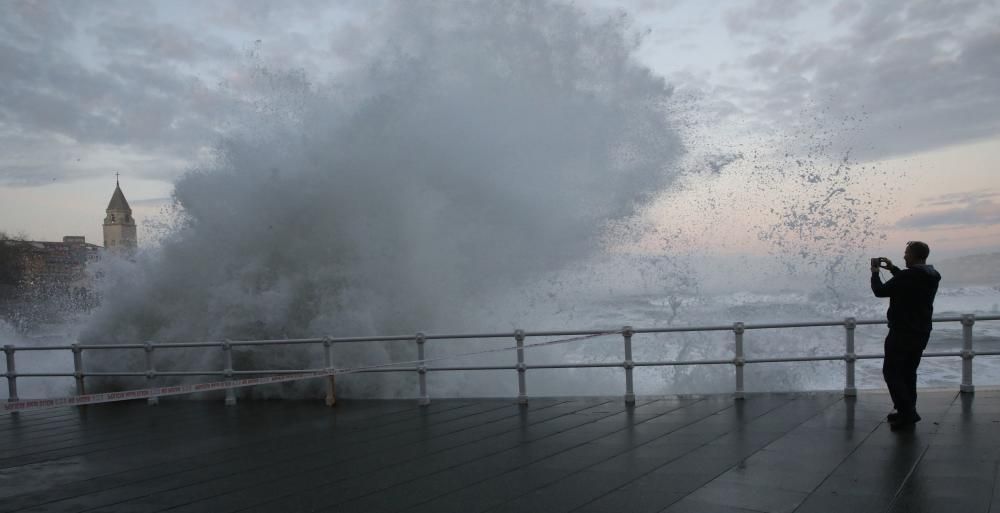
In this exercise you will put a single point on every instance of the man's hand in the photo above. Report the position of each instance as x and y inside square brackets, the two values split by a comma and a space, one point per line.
[883, 263]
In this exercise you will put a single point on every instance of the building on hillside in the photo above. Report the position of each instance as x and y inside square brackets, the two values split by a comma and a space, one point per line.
[50, 265]
[42, 280]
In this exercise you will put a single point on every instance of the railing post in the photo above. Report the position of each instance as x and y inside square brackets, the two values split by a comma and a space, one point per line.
[522, 394]
[227, 350]
[424, 399]
[150, 373]
[628, 364]
[8, 351]
[331, 383]
[967, 353]
[850, 356]
[739, 361]
[78, 368]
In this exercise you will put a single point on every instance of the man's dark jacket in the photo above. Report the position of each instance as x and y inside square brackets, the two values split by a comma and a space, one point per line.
[911, 297]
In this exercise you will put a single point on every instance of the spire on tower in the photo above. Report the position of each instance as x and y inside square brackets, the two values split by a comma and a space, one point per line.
[118, 201]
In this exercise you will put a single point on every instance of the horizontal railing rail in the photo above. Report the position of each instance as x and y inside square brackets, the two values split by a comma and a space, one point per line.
[419, 365]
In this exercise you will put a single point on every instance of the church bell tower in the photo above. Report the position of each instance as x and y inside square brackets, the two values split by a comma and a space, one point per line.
[119, 225]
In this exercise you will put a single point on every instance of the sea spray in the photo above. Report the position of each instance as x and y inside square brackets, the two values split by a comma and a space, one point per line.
[489, 168]
[484, 144]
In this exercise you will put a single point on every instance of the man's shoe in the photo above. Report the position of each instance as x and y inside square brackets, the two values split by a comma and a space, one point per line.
[895, 415]
[904, 422]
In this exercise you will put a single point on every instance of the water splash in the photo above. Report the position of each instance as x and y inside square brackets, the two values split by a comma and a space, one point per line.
[484, 144]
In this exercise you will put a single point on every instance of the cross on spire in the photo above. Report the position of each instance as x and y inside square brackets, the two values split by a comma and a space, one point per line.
[116, 178]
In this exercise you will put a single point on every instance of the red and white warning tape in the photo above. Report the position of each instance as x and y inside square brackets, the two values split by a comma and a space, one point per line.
[145, 393]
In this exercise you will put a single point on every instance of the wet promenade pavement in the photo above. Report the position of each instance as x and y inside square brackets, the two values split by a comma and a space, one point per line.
[705, 454]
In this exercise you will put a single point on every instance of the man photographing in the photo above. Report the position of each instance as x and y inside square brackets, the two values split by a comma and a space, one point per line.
[911, 294]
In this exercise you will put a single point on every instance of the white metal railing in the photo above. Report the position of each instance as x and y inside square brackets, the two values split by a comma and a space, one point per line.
[738, 361]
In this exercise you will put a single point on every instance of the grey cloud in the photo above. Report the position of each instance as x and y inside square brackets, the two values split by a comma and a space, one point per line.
[845, 10]
[639, 7]
[977, 213]
[144, 76]
[142, 39]
[149, 85]
[960, 198]
[39, 22]
[124, 81]
[936, 12]
[65, 163]
[263, 14]
[759, 15]
[26, 175]
[646, 6]
[150, 202]
[123, 104]
[921, 76]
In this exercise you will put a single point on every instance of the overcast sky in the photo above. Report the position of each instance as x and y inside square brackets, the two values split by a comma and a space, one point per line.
[90, 88]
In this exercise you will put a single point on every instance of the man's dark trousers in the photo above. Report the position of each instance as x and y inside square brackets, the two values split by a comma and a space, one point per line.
[902, 357]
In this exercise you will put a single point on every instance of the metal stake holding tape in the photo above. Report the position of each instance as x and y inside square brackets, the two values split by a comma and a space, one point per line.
[78, 368]
[331, 384]
[850, 357]
[628, 364]
[739, 360]
[8, 351]
[227, 349]
[422, 370]
[150, 372]
[522, 393]
[968, 320]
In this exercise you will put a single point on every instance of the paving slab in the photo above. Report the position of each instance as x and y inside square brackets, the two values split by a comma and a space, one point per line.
[788, 452]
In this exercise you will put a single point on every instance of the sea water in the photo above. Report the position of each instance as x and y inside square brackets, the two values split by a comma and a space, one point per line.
[487, 166]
